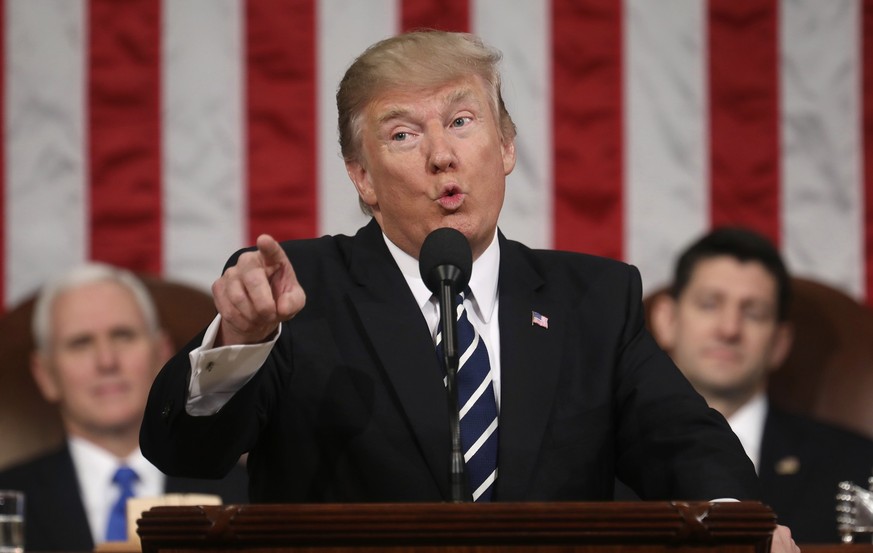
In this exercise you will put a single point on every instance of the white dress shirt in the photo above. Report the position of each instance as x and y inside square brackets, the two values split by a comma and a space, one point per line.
[481, 308]
[95, 468]
[748, 424]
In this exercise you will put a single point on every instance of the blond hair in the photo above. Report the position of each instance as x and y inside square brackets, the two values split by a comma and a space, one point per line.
[419, 59]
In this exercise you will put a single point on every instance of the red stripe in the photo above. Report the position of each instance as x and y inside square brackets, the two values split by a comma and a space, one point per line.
[744, 112]
[280, 88]
[124, 132]
[867, 101]
[587, 89]
[3, 237]
[446, 15]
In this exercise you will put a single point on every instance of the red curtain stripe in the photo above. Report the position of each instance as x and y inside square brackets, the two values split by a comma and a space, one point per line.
[445, 15]
[124, 139]
[744, 114]
[587, 121]
[281, 119]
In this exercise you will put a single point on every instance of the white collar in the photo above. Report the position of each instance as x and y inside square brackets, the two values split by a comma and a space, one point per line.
[747, 422]
[94, 470]
[483, 281]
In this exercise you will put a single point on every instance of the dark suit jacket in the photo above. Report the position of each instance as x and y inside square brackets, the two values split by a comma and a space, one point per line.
[55, 518]
[802, 461]
[350, 405]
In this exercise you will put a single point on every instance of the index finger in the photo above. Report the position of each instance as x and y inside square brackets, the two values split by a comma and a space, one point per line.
[271, 251]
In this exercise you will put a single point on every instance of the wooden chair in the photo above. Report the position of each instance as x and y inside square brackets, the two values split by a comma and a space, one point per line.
[28, 424]
[829, 373]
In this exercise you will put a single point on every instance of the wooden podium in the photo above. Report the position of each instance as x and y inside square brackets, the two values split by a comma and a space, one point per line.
[640, 527]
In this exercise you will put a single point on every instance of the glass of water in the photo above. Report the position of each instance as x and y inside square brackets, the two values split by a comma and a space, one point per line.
[11, 521]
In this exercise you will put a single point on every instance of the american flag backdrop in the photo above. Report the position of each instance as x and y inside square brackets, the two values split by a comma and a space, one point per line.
[163, 135]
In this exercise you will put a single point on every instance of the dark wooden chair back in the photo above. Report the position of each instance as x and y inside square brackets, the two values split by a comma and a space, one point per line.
[829, 373]
[28, 424]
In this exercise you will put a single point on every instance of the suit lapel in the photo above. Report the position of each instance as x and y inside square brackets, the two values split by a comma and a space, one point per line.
[398, 332]
[780, 463]
[529, 368]
[530, 358]
[71, 522]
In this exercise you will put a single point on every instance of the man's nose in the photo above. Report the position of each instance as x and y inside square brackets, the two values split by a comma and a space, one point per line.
[730, 322]
[106, 355]
[441, 152]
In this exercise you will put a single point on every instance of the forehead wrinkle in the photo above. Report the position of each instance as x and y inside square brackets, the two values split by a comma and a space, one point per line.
[402, 111]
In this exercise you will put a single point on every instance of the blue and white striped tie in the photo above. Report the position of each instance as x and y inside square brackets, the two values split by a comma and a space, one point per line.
[477, 405]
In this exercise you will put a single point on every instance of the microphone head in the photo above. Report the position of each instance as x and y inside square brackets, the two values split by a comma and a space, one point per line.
[445, 255]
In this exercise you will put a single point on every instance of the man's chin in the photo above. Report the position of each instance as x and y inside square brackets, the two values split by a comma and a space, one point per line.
[730, 392]
[117, 422]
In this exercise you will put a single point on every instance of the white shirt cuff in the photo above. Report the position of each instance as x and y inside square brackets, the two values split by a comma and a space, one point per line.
[218, 373]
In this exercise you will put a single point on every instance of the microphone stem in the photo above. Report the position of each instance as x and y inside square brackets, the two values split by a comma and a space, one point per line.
[450, 354]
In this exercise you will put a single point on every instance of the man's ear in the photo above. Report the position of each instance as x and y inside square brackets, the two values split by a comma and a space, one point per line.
[164, 347]
[361, 179]
[663, 320]
[44, 377]
[509, 157]
[782, 342]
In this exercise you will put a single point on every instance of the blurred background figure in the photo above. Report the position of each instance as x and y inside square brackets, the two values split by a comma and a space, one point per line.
[98, 346]
[724, 322]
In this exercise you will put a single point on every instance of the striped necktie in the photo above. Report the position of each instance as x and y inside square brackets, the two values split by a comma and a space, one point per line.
[477, 406]
[124, 478]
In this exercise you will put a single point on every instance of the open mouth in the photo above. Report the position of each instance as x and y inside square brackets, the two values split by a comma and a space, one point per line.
[451, 198]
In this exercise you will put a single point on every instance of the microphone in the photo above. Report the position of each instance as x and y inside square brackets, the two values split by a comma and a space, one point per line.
[446, 262]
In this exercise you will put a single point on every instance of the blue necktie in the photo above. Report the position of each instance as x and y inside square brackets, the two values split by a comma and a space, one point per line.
[124, 478]
[477, 406]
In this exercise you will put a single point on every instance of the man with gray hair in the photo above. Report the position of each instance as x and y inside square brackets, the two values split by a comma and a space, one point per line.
[98, 348]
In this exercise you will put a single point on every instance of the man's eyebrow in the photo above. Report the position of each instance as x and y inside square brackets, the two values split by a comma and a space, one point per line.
[391, 114]
[78, 338]
[455, 97]
[460, 95]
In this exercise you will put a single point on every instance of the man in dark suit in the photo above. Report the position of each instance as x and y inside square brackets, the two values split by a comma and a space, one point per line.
[98, 348]
[725, 324]
[326, 372]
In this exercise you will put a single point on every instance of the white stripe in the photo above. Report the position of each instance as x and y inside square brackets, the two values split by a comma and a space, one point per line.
[345, 29]
[484, 386]
[485, 485]
[482, 439]
[666, 146]
[520, 29]
[46, 197]
[469, 351]
[823, 205]
[203, 137]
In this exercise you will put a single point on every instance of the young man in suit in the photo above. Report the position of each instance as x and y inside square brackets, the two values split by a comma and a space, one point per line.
[322, 360]
[725, 324]
[98, 348]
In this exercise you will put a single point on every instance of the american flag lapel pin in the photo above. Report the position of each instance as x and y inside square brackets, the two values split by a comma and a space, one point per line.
[539, 319]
